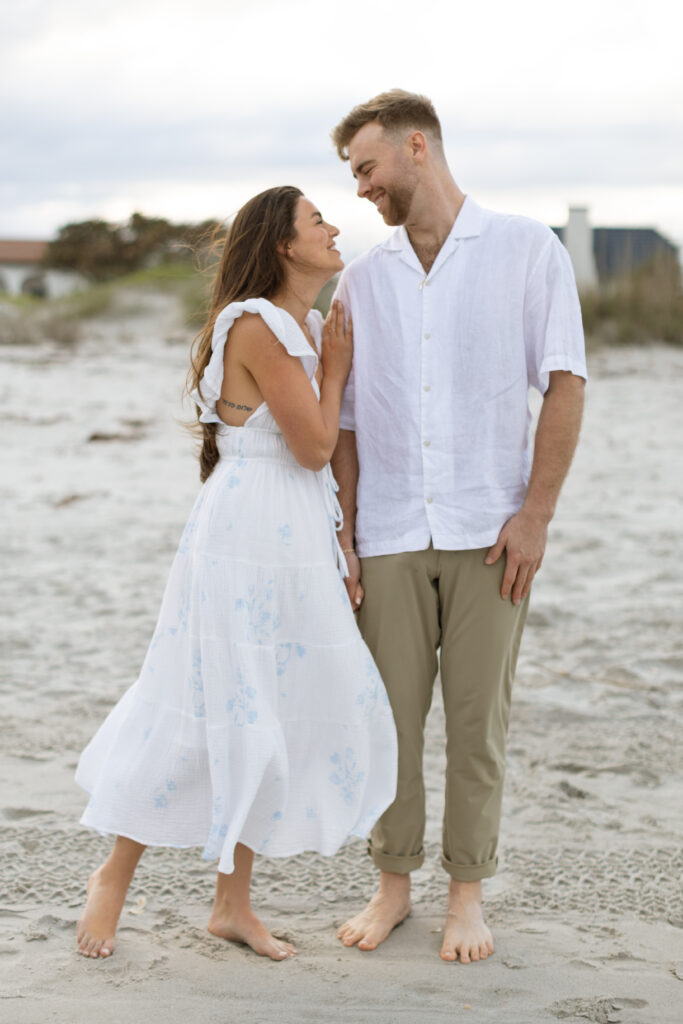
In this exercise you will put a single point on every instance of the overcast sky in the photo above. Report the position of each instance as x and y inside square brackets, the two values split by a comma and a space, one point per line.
[185, 109]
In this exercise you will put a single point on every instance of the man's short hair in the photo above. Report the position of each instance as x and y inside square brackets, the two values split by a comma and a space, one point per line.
[395, 111]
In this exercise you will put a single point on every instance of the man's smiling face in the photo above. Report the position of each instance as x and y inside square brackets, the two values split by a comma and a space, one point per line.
[384, 171]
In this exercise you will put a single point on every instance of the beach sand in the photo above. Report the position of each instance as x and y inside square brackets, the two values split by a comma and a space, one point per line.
[97, 479]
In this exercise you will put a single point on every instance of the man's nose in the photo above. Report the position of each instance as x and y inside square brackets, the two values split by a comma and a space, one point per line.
[363, 187]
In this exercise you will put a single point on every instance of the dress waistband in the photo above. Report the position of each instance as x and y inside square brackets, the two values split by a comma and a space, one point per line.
[252, 443]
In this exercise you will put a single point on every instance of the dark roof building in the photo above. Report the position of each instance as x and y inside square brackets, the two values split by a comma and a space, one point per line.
[599, 254]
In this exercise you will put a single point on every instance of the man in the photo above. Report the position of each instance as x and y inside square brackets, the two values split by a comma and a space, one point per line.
[446, 514]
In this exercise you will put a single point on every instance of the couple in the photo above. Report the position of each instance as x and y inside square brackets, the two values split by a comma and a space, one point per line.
[260, 720]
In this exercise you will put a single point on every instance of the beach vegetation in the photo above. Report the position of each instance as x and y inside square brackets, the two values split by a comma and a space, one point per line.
[645, 305]
[103, 251]
[151, 254]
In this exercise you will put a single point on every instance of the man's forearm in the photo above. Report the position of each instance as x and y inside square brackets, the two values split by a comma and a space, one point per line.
[345, 469]
[556, 438]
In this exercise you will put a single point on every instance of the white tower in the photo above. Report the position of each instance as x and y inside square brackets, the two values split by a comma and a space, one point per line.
[578, 238]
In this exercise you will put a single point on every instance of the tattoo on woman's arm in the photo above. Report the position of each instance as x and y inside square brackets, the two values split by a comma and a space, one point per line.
[240, 408]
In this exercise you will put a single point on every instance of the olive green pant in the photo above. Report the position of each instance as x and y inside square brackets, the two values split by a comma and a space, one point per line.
[416, 603]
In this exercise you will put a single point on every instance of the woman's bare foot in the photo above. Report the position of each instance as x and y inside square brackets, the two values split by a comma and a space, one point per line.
[232, 917]
[465, 935]
[388, 907]
[97, 926]
[107, 888]
[244, 926]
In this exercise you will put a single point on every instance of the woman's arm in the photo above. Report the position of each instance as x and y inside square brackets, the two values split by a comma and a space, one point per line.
[345, 469]
[310, 427]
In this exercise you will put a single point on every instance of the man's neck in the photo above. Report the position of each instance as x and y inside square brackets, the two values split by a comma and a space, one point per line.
[431, 220]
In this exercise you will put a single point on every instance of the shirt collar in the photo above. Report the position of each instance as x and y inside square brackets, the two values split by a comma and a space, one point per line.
[468, 224]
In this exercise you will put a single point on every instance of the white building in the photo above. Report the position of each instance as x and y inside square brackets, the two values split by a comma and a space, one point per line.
[22, 272]
[578, 238]
[602, 254]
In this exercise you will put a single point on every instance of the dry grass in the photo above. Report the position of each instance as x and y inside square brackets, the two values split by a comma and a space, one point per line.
[644, 306]
[25, 320]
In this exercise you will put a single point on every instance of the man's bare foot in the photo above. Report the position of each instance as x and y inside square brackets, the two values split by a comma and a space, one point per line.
[97, 927]
[388, 907]
[465, 935]
[244, 926]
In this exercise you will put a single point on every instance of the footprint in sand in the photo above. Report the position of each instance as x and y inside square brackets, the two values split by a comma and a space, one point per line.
[600, 1011]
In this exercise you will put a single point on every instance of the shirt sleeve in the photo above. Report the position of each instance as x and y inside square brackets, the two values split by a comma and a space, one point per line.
[347, 416]
[553, 328]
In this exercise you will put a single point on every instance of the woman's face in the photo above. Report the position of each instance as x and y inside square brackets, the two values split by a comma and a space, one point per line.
[312, 247]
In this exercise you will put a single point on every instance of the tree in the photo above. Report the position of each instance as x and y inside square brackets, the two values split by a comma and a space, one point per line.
[100, 250]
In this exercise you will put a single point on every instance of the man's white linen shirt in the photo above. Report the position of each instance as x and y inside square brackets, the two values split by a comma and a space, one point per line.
[438, 395]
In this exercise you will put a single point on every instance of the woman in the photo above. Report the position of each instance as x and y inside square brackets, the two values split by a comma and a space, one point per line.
[259, 721]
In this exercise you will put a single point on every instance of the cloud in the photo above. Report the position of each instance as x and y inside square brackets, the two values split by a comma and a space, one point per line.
[106, 104]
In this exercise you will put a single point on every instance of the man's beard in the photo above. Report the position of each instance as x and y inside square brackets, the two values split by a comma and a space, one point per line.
[397, 204]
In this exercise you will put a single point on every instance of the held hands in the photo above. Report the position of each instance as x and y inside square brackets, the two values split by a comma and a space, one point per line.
[352, 581]
[337, 347]
[523, 538]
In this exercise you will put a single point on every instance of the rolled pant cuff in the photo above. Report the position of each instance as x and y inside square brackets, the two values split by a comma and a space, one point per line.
[470, 872]
[396, 865]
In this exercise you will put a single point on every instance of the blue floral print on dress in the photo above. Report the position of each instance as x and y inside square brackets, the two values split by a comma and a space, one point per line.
[242, 705]
[196, 685]
[275, 817]
[347, 774]
[235, 479]
[261, 623]
[283, 653]
[286, 533]
[190, 528]
[183, 612]
[369, 697]
[160, 797]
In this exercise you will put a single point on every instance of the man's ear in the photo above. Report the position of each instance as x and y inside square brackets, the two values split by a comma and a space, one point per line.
[417, 145]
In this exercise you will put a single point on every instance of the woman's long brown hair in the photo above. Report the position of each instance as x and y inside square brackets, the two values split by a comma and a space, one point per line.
[250, 268]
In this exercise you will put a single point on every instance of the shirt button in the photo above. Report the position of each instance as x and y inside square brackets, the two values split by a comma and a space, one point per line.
[427, 334]
[427, 387]
[429, 501]
[426, 443]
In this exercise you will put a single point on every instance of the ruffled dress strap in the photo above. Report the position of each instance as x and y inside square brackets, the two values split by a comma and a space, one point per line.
[283, 326]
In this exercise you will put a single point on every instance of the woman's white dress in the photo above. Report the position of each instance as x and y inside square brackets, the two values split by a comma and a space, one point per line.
[259, 715]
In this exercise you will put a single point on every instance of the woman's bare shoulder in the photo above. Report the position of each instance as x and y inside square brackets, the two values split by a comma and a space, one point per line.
[250, 331]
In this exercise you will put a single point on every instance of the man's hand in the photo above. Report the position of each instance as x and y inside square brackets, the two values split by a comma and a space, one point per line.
[523, 538]
[352, 581]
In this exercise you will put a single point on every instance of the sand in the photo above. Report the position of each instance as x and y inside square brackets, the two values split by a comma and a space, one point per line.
[587, 910]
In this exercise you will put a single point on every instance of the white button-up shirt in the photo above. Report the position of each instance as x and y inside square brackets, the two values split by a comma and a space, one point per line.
[438, 394]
